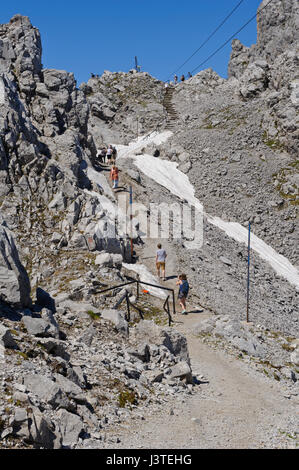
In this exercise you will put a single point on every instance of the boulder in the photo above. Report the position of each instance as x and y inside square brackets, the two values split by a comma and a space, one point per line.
[14, 280]
[55, 347]
[41, 431]
[182, 371]
[147, 331]
[42, 327]
[142, 352]
[6, 338]
[46, 390]
[71, 426]
[118, 320]
[20, 423]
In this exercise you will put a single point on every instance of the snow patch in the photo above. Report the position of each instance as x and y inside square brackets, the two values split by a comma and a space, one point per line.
[146, 276]
[167, 175]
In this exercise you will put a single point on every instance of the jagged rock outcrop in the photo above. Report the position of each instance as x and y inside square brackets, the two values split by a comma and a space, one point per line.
[123, 106]
[74, 365]
[272, 65]
[14, 280]
[43, 133]
[45, 153]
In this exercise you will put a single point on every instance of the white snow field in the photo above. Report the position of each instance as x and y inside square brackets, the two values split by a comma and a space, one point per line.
[146, 276]
[166, 174]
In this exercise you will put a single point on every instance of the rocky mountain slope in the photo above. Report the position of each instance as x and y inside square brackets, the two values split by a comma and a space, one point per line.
[73, 365]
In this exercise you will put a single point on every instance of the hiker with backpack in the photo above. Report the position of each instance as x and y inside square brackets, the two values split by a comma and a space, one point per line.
[114, 176]
[175, 79]
[114, 154]
[182, 78]
[161, 256]
[183, 291]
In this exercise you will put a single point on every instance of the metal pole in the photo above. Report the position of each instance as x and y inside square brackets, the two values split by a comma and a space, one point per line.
[131, 221]
[173, 302]
[128, 307]
[168, 309]
[248, 274]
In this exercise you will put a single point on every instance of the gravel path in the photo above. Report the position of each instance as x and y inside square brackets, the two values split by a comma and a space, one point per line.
[233, 406]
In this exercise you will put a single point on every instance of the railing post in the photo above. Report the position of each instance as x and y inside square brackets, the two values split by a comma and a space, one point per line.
[131, 221]
[173, 303]
[168, 309]
[128, 307]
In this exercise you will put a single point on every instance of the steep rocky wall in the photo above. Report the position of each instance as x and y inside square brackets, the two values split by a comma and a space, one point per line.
[38, 107]
[123, 106]
[277, 28]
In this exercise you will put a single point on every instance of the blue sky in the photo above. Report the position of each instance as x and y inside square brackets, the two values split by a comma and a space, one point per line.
[96, 35]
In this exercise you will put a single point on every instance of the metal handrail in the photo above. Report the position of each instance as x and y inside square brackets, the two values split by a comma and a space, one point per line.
[138, 282]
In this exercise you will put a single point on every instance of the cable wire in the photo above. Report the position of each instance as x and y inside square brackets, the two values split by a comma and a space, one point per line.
[232, 37]
[207, 40]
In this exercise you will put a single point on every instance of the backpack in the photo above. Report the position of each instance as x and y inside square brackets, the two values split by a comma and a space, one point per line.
[114, 173]
[185, 288]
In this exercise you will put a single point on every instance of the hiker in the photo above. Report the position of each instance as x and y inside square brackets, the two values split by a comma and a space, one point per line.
[160, 261]
[183, 291]
[114, 154]
[114, 176]
[109, 154]
[166, 85]
[102, 155]
[189, 75]
[175, 79]
[182, 78]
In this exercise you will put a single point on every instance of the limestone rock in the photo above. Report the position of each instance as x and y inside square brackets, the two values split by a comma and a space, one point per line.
[44, 327]
[182, 371]
[6, 338]
[14, 280]
[117, 319]
[42, 432]
[71, 426]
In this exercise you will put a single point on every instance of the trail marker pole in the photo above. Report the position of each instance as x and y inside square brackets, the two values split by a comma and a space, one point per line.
[248, 273]
[131, 221]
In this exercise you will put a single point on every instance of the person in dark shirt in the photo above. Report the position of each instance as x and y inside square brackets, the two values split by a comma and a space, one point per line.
[183, 291]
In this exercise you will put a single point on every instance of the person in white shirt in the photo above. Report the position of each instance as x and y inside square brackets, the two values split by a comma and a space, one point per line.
[109, 153]
[160, 261]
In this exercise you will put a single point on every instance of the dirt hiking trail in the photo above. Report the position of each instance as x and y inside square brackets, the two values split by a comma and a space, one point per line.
[233, 406]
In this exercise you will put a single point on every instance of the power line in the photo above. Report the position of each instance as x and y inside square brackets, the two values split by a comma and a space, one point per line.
[207, 40]
[232, 37]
